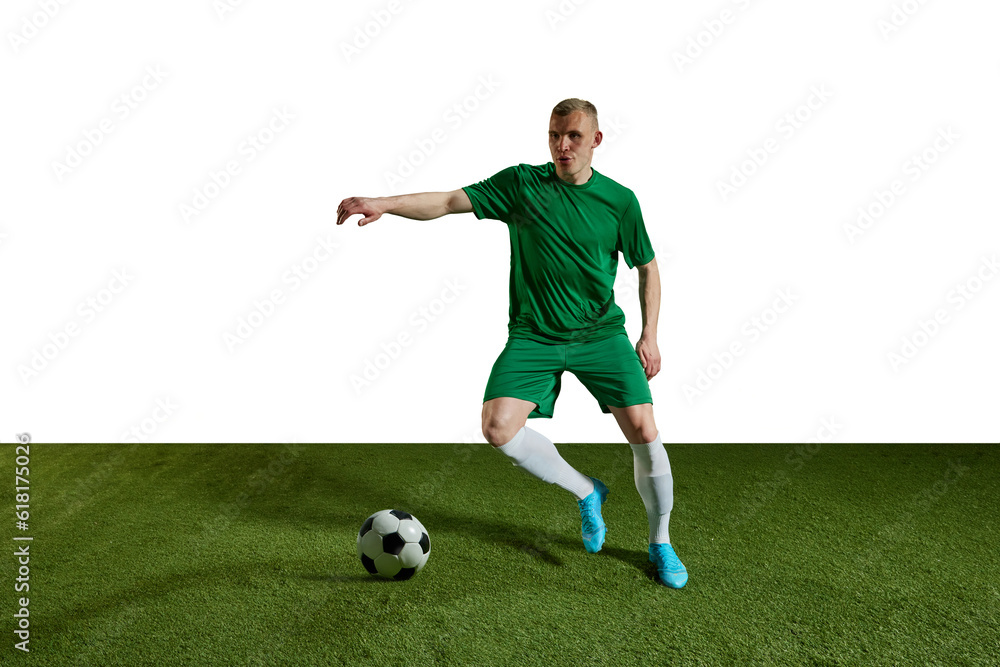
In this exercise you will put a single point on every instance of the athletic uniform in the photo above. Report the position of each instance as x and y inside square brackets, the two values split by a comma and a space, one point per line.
[564, 245]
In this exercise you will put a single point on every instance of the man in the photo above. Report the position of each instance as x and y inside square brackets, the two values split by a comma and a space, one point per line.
[567, 224]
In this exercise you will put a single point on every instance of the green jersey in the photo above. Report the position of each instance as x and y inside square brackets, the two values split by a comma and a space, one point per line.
[564, 245]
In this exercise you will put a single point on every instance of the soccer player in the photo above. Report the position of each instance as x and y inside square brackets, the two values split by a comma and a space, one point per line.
[567, 224]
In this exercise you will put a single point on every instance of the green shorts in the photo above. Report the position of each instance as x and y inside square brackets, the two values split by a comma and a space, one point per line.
[532, 371]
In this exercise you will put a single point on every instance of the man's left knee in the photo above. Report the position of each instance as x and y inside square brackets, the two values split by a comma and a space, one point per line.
[647, 433]
[645, 427]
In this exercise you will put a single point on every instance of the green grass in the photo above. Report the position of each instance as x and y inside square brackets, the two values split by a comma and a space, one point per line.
[245, 554]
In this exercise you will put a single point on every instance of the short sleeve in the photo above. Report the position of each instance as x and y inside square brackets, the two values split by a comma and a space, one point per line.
[633, 241]
[495, 196]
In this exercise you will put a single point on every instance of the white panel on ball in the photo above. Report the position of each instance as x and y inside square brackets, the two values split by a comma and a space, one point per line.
[385, 522]
[410, 530]
[371, 544]
[412, 555]
[388, 565]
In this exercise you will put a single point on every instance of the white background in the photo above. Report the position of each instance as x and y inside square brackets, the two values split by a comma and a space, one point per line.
[674, 131]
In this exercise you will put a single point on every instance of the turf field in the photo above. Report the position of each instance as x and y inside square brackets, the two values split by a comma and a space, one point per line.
[245, 555]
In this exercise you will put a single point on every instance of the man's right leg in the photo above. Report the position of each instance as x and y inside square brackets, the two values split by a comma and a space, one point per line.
[504, 427]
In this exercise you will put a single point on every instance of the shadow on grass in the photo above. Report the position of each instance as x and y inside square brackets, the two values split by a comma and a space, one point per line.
[538, 544]
[530, 540]
[352, 578]
[527, 539]
[342, 475]
[637, 559]
[110, 602]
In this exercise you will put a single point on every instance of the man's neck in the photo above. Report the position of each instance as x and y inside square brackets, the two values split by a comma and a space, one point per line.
[589, 172]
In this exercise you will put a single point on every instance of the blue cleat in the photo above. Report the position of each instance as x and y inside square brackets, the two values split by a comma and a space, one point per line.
[668, 566]
[593, 528]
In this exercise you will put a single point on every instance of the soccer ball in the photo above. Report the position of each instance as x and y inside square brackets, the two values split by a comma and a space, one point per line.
[393, 544]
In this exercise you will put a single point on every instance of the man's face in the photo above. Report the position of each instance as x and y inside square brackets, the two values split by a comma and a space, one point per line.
[572, 141]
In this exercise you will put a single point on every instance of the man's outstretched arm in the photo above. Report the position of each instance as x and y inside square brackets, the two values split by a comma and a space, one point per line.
[649, 302]
[419, 206]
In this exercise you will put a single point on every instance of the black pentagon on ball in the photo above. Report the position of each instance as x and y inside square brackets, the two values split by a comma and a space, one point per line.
[405, 573]
[400, 514]
[366, 526]
[369, 564]
[392, 544]
[425, 542]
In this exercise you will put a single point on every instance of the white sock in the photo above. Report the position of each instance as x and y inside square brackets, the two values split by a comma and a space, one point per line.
[536, 454]
[655, 484]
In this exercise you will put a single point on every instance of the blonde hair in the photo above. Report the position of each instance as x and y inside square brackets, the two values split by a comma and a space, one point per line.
[568, 106]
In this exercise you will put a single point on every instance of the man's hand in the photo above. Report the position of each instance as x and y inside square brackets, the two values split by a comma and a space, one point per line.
[649, 355]
[366, 206]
